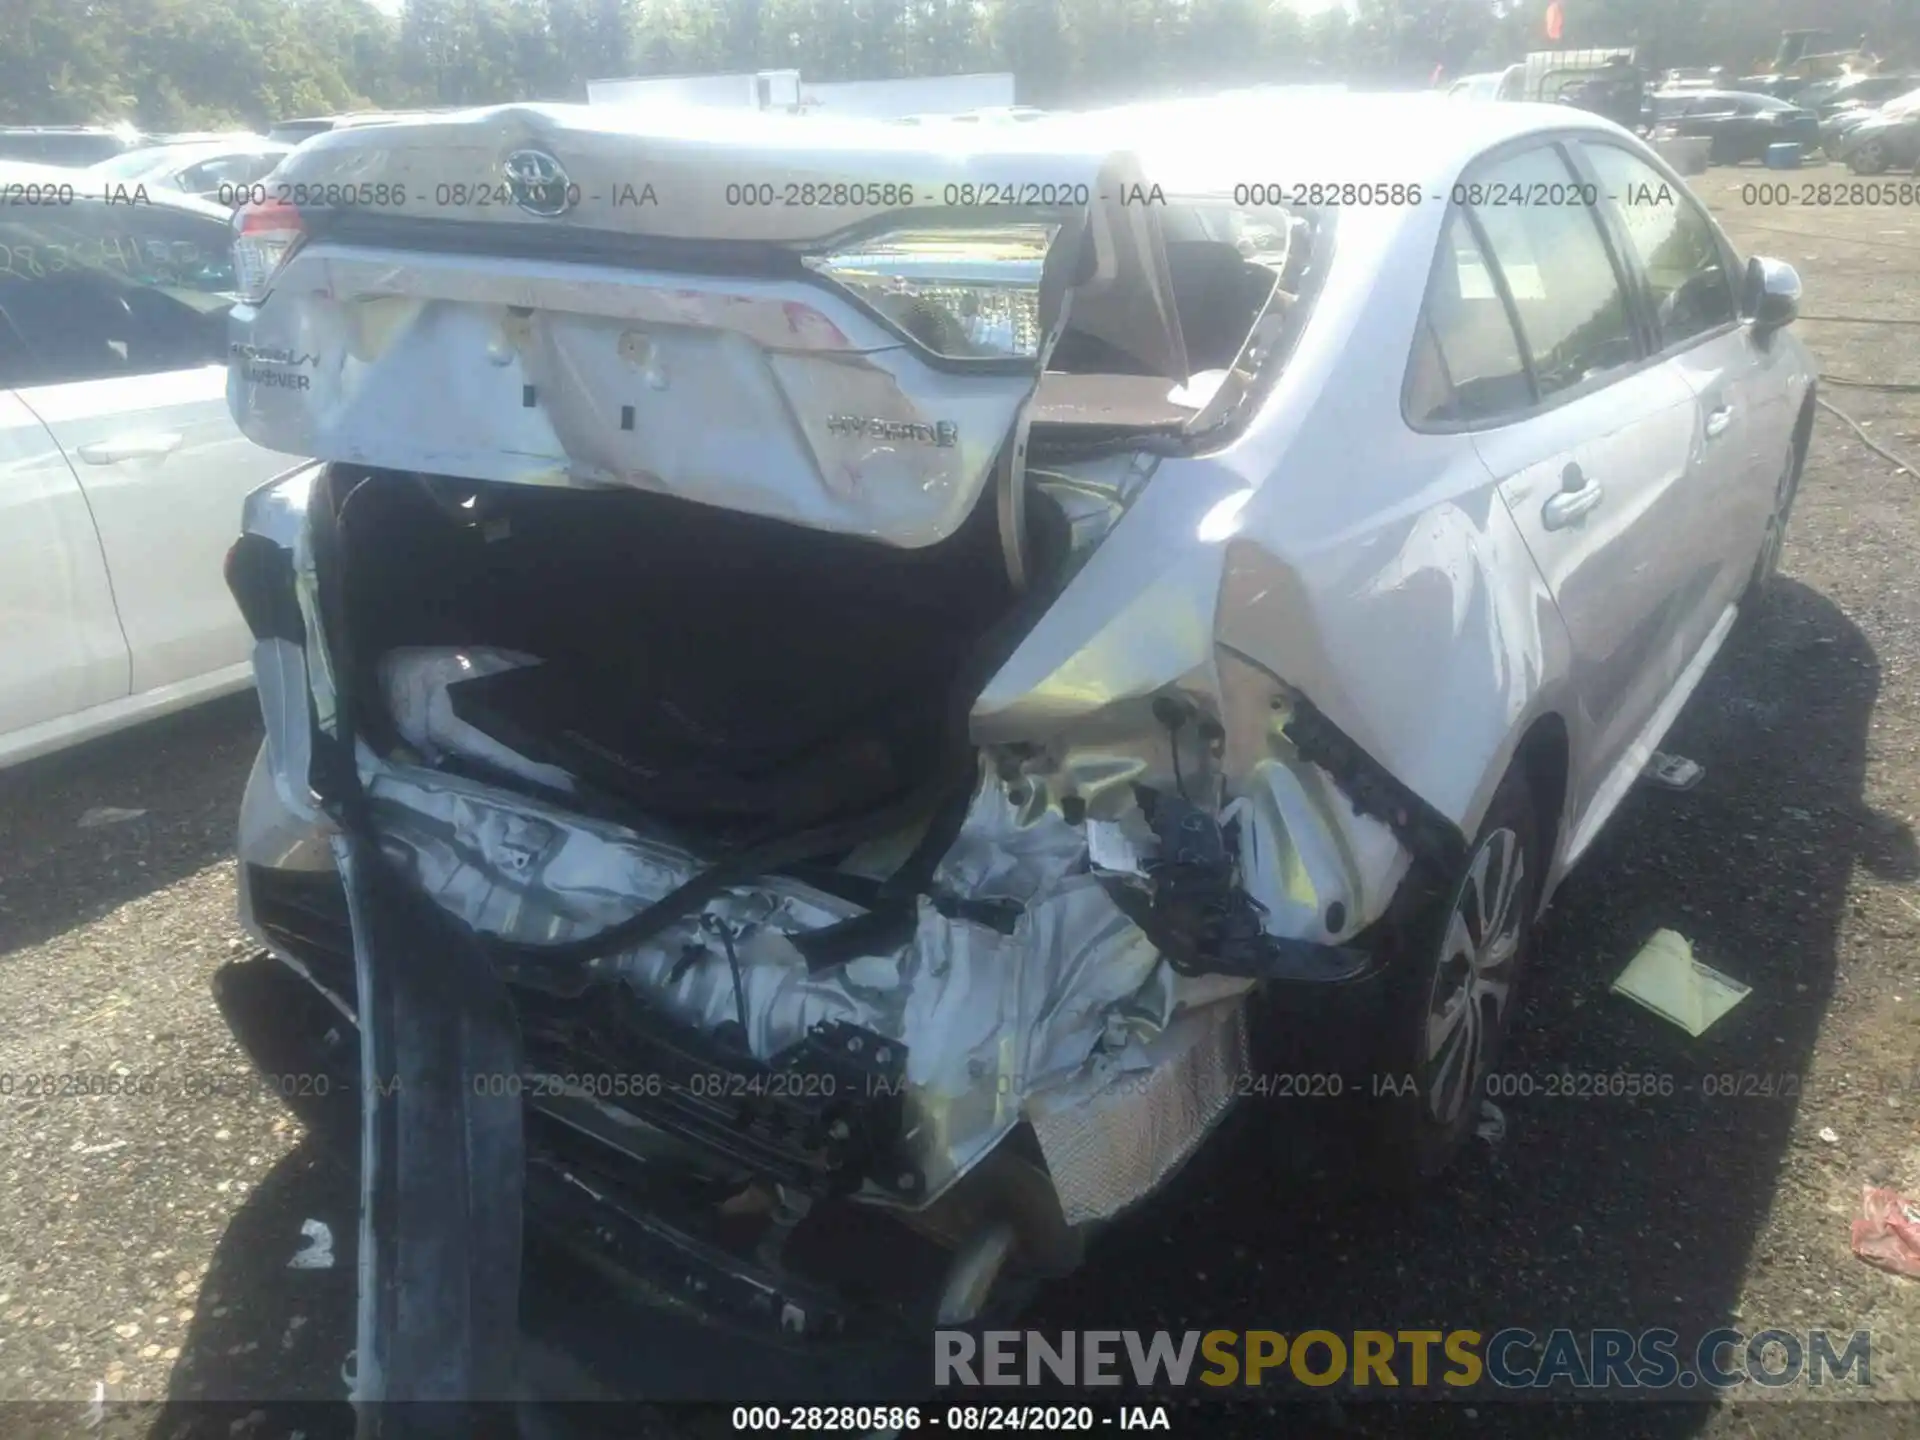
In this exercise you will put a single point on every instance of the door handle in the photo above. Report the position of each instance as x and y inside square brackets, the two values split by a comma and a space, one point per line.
[1718, 421]
[1577, 496]
[130, 447]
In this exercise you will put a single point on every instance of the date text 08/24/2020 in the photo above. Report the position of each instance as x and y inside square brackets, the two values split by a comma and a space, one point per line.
[903, 1419]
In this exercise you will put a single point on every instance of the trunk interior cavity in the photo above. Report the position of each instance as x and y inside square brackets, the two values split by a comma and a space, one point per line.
[726, 676]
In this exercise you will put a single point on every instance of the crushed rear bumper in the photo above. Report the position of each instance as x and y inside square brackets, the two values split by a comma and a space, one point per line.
[618, 1297]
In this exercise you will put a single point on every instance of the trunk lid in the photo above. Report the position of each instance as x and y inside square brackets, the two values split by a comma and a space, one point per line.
[568, 295]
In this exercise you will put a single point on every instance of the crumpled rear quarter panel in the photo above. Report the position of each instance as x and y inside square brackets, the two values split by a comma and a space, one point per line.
[1332, 550]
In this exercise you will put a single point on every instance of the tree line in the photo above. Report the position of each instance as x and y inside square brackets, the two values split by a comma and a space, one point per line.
[193, 64]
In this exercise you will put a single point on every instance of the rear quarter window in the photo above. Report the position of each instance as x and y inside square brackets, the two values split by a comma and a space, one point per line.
[1466, 366]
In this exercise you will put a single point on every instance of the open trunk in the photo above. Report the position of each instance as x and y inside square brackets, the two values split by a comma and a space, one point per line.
[776, 1016]
[725, 676]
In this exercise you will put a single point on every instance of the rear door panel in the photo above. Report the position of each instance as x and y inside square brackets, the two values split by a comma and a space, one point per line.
[122, 311]
[1690, 280]
[1620, 573]
[1596, 477]
[165, 470]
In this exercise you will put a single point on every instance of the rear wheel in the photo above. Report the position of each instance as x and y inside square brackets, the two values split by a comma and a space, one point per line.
[1450, 1000]
[1868, 158]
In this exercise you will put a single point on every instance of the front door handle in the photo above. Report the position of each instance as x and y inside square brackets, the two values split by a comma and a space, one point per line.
[131, 447]
[1718, 421]
[1576, 497]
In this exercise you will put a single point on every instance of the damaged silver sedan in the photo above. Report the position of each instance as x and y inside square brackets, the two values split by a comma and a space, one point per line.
[839, 681]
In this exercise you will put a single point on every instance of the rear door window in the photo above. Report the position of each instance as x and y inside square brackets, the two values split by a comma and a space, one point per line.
[96, 291]
[1545, 240]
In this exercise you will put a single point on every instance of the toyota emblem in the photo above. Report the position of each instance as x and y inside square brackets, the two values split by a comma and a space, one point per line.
[537, 183]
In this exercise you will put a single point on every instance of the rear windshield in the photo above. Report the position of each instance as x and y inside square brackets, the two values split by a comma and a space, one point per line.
[1240, 287]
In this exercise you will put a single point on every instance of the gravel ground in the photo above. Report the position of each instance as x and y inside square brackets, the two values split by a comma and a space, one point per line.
[146, 1256]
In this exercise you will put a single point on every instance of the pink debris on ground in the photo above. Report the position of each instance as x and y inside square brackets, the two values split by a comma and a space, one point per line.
[1887, 1234]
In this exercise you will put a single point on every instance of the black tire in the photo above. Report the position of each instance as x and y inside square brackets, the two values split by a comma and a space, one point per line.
[1422, 1122]
[1766, 565]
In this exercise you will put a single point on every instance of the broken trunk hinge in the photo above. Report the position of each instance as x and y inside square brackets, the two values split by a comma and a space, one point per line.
[1376, 791]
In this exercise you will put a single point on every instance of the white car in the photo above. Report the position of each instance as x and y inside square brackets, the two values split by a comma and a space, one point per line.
[1507, 84]
[221, 169]
[121, 470]
[882, 709]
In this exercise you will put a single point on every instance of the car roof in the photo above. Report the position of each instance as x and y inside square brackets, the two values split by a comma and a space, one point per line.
[25, 172]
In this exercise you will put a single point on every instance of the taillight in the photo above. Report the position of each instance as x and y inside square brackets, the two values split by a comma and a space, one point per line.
[264, 236]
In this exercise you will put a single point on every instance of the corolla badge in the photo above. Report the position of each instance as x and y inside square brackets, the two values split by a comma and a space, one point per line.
[537, 183]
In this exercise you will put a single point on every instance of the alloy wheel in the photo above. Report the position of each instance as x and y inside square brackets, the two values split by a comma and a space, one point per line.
[1474, 974]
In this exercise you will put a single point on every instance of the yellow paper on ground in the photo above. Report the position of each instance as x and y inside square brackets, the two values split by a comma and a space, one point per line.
[1666, 979]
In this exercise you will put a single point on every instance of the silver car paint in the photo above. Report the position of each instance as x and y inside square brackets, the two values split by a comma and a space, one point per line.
[1327, 551]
